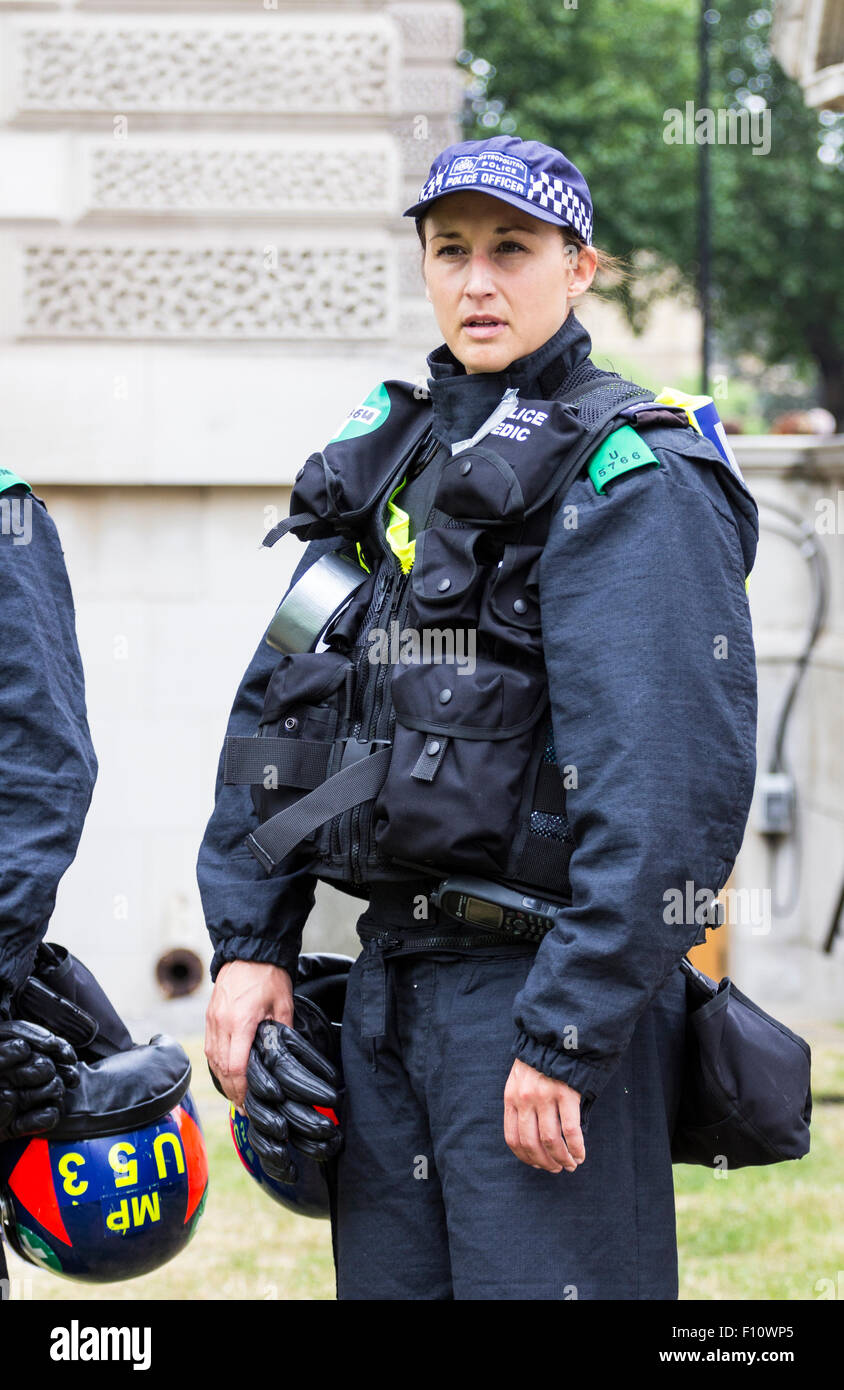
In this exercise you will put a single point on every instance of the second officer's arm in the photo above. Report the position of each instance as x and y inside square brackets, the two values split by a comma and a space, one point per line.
[649, 653]
[47, 762]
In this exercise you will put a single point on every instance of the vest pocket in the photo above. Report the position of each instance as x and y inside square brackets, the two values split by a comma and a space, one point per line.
[510, 607]
[446, 578]
[457, 791]
[304, 702]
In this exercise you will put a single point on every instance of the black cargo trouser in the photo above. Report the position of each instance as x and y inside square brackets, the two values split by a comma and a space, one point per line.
[432, 1204]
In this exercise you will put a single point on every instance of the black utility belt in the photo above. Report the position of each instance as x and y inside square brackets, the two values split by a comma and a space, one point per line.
[399, 941]
[469, 914]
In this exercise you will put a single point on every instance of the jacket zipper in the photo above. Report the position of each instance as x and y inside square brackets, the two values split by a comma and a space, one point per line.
[361, 820]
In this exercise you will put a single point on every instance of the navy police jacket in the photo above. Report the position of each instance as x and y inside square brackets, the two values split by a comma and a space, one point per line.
[47, 763]
[647, 645]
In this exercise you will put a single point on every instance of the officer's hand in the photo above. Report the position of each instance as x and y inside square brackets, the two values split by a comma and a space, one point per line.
[542, 1120]
[36, 1067]
[245, 993]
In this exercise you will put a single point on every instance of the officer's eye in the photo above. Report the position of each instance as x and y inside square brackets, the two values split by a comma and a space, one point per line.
[507, 246]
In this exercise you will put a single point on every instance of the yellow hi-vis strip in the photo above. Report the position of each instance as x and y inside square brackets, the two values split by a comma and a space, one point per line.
[398, 535]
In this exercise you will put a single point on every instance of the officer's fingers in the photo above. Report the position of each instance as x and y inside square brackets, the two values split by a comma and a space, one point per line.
[551, 1138]
[531, 1141]
[517, 1132]
[570, 1124]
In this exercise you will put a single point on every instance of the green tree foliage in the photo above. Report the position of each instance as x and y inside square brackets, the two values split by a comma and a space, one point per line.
[597, 81]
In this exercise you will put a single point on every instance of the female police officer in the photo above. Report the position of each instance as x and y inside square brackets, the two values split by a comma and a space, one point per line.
[509, 1107]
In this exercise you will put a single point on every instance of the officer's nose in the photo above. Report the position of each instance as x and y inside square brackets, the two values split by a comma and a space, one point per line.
[480, 281]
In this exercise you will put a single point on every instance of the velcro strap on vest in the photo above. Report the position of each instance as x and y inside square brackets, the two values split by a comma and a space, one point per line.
[296, 762]
[427, 763]
[358, 781]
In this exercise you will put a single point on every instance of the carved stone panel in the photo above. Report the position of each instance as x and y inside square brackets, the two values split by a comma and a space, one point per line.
[207, 291]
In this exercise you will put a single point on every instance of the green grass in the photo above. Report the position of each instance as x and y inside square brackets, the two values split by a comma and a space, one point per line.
[759, 1233]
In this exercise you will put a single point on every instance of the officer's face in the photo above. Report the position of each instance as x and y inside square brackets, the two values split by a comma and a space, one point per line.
[487, 260]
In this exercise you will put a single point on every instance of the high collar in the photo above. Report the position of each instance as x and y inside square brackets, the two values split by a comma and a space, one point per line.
[461, 402]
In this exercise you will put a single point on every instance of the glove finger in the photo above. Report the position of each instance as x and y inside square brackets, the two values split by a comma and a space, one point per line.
[69, 1075]
[275, 1159]
[13, 1051]
[323, 1151]
[7, 1109]
[40, 1039]
[36, 1072]
[270, 1123]
[36, 1097]
[260, 1082]
[34, 1122]
[297, 1082]
[274, 1038]
[305, 1123]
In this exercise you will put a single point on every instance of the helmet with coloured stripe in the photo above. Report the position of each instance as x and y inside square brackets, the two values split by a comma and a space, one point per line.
[118, 1186]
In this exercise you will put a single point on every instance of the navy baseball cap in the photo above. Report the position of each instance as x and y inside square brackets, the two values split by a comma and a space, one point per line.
[526, 173]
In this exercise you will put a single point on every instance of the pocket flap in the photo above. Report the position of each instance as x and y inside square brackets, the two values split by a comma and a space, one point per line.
[303, 678]
[478, 485]
[514, 591]
[444, 566]
[490, 702]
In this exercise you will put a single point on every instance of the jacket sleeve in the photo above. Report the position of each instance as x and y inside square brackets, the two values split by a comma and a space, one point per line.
[250, 915]
[47, 763]
[651, 670]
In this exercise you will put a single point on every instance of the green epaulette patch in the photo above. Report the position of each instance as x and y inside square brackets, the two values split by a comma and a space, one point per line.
[621, 451]
[9, 479]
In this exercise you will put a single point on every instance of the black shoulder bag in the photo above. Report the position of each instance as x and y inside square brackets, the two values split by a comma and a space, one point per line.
[746, 1095]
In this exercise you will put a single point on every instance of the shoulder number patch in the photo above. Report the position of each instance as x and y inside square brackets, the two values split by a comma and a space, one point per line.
[621, 451]
[368, 416]
[9, 479]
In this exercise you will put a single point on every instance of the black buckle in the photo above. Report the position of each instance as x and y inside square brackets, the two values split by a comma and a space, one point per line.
[357, 748]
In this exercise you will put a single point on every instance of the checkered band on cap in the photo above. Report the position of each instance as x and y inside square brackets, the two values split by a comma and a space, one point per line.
[560, 198]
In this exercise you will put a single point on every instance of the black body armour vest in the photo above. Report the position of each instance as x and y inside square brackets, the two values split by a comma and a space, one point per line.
[377, 770]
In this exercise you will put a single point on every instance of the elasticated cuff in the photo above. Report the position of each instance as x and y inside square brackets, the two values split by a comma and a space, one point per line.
[259, 949]
[586, 1077]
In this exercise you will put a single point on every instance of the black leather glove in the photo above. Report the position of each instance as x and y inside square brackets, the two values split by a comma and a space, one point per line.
[285, 1078]
[36, 1070]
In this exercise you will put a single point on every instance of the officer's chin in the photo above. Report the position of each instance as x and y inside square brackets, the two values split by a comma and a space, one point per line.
[478, 356]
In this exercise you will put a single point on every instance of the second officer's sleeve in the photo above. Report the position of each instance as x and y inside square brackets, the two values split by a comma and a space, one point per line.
[250, 915]
[47, 763]
[651, 671]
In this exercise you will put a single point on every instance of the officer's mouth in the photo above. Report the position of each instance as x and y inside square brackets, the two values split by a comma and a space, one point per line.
[483, 326]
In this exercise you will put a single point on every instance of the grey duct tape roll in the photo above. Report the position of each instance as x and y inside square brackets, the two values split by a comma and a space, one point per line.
[319, 596]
